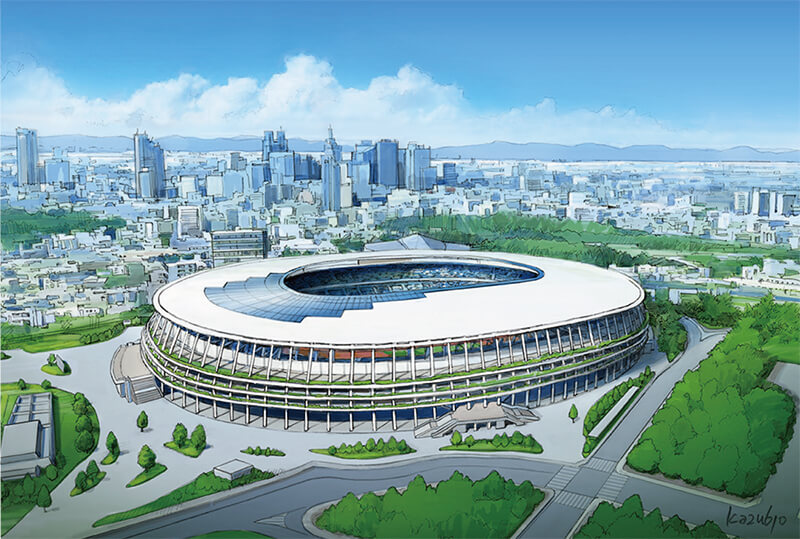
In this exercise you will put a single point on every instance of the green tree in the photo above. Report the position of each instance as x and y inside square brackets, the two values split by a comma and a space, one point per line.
[455, 439]
[51, 472]
[83, 423]
[147, 458]
[469, 440]
[371, 445]
[81, 481]
[92, 470]
[573, 413]
[142, 421]
[517, 438]
[112, 444]
[332, 450]
[22, 385]
[84, 442]
[44, 500]
[80, 407]
[180, 435]
[46, 384]
[28, 486]
[199, 437]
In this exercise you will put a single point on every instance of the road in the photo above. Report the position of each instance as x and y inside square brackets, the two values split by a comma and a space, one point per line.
[277, 508]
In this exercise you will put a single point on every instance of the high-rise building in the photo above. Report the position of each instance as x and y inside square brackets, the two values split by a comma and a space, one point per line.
[190, 222]
[331, 184]
[386, 158]
[449, 174]
[27, 156]
[331, 148]
[237, 161]
[419, 175]
[281, 166]
[149, 170]
[740, 200]
[272, 143]
[56, 171]
[237, 245]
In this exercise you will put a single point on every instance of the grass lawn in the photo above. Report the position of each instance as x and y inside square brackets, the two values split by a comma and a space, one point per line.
[366, 454]
[53, 370]
[66, 331]
[232, 534]
[64, 422]
[147, 475]
[188, 450]
[202, 485]
[90, 484]
[486, 446]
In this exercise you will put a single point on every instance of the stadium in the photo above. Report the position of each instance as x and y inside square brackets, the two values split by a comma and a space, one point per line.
[395, 340]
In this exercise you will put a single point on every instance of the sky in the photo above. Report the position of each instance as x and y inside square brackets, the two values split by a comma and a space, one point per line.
[700, 74]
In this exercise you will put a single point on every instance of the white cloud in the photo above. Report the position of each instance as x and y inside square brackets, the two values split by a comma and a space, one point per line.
[306, 97]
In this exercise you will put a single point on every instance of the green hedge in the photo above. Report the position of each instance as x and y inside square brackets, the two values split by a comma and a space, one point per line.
[725, 426]
[629, 520]
[457, 507]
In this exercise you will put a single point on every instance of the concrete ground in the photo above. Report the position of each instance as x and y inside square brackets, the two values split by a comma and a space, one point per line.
[72, 516]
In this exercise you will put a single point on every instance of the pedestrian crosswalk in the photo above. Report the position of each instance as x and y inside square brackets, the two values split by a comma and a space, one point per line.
[563, 477]
[612, 487]
[571, 499]
[602, 465]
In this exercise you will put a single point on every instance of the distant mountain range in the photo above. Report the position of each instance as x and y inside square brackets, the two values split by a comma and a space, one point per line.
[492, 150]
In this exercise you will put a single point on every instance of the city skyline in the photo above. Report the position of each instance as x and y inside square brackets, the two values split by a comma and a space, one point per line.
[724, 74]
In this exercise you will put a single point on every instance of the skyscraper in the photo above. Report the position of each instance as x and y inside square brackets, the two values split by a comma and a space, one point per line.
[386, 157]
[419, 175]
[150, 173]
[331, 174]
[273, 142]
[27, 156]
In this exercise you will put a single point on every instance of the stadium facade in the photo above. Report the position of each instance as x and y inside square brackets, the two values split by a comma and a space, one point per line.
[389, 339]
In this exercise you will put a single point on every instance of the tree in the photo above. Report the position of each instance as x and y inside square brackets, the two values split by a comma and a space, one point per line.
[80, 406]
[84, 442]
[332, 450]
[46, 384]
[180, 435]
[371, 445]
[142, 421]
[51, 472]
[573, 413]
[147, 458]
[112, 444]
[455, 439]
[199, 437]
[28, 486]
[22, 385]
[44, 500]
[92, 470]
[83, 423]
[81, 481]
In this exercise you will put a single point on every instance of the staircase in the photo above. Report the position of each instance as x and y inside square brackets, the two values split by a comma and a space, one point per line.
[144, 389]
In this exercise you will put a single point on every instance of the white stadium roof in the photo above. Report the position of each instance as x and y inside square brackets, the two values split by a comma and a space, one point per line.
[568, 291]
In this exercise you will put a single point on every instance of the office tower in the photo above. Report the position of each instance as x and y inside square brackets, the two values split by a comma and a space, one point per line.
[270, 143]
[331, 184]
[788, 203]
[149, 171]
[386, 158]
[449, 174]
[56, 171]
[27, 156]
[233, 182]
[419, 175]
[331, 148]
[186, 184]
[190, 222]
[740, 202]
[281, 166]
[763, 203]
[214, 185]
[237, 161]
[237, 245]
[258, 174]
[306, 167]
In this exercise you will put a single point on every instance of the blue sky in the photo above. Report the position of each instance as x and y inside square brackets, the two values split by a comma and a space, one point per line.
[686, 71]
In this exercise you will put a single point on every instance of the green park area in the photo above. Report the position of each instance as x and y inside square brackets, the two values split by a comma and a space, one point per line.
[629, 520]
[457, 507]
[76, 436]
[263, 451]
[203, 485]
[134, 276]
[725, 426]
[68, 331]
[372, 449]
[604, 404]
[516, 442]
[88, 479]
[19, 226]
[594, 243]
